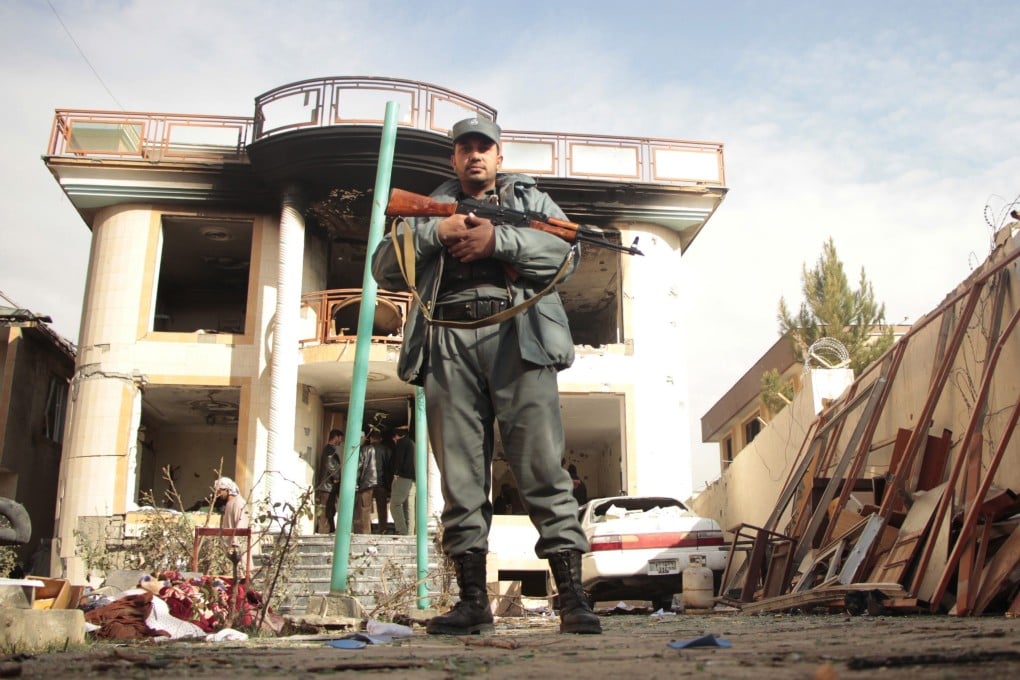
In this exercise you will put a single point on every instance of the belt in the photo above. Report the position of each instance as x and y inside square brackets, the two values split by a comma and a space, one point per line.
[472, 310]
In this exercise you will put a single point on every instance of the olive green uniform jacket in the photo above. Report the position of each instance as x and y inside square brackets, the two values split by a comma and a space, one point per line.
[536, 255]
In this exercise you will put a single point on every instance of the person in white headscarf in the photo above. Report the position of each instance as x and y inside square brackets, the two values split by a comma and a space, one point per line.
[235, 512]
[235, 516]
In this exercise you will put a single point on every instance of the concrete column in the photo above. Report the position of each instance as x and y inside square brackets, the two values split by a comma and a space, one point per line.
[281, 457]
[97, 470]
[658, 301]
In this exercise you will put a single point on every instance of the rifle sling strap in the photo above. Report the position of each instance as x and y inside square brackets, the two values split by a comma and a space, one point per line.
[403, 248]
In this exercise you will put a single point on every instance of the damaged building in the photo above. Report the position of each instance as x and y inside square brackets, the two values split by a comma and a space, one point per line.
[224, 284]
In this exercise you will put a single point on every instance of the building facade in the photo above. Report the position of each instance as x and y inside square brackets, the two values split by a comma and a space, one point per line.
[36, 365]
[739, 416]
[225, 277]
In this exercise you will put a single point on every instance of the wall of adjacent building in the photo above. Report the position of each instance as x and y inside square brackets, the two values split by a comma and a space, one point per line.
[748, 490]
[29, 457]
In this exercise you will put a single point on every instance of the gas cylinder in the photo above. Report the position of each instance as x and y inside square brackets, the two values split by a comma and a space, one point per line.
[697, 585]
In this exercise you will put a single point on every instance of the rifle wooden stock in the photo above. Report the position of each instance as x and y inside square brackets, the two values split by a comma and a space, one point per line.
[409, 204]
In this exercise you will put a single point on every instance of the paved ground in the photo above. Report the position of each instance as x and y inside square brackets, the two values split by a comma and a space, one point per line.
[634, 646]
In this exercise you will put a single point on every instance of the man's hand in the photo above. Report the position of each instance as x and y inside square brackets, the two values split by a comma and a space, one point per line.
[468, 237]
[452, 229]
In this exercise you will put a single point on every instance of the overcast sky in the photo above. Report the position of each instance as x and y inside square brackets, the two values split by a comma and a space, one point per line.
[890, 126]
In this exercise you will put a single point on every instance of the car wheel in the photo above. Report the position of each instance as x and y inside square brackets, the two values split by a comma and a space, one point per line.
[20, 530]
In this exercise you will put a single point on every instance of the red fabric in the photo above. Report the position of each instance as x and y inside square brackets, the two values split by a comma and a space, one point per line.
[180, 605]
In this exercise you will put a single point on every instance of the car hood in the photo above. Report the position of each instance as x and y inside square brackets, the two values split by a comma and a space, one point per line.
[656, 520]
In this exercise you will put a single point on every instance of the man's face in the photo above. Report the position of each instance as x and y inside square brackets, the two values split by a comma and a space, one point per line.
[476, 159]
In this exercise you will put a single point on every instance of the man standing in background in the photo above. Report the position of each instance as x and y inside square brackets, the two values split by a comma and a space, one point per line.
[328, 488]
[401, 493]
[365, 484]
[383, 479]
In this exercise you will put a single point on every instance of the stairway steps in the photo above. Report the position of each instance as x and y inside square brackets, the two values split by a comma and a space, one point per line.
[379, 566]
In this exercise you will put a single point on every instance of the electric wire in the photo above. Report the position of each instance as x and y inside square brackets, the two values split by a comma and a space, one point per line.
[84, 58]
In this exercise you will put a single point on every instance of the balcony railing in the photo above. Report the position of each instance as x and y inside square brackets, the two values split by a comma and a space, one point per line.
[152, 137]
[325, 102]
[619, 159]
[332, 316]
[329, 102]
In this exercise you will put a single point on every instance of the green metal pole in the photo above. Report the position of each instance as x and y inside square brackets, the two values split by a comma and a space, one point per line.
[359, 381]
[421, 496]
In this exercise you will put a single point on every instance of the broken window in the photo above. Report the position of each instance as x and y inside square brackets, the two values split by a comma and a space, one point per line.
[751, 429]
[188, 433]
[591, 298]
[203, 275]
[727, 452]
[56, 400]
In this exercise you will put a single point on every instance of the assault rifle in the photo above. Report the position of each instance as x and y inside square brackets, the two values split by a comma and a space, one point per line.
[407, 204]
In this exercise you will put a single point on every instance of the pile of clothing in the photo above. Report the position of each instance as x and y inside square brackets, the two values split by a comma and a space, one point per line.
[171, 606]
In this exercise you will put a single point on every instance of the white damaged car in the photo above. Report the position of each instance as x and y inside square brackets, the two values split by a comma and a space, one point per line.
[640, 546]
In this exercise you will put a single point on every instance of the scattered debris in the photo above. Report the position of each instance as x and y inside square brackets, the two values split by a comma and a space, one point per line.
[859, 663]
[703, 641]
[504, 643]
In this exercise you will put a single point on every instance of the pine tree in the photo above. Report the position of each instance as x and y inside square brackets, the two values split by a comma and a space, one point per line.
[832, 309]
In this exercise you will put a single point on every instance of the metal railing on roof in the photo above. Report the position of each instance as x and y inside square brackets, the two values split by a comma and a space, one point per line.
[153, 137]
[354, 100]
[617, 159]
[328, 102]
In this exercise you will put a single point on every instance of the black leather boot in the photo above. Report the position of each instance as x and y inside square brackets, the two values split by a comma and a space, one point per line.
[576, 615]
[472, 614]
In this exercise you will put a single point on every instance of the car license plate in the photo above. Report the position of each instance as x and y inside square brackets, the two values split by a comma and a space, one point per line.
[658, 567]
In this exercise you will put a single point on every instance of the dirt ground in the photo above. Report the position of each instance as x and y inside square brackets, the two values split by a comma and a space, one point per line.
[633, 646]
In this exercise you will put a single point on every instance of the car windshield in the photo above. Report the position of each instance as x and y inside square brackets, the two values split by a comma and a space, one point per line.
[627, 507]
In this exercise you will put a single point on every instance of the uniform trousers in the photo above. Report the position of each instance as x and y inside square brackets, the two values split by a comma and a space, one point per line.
[474, 379]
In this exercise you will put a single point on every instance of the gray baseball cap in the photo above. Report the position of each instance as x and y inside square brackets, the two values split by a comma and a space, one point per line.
[477, 126]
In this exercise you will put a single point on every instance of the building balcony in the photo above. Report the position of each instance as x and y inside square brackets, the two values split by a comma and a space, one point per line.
[356, 102]
[331, 316]
[325, 133]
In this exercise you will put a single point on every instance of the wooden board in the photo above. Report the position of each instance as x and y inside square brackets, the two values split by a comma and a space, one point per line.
[818, 596]
[1005, 560]
[914, 529]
